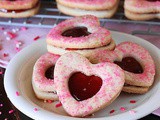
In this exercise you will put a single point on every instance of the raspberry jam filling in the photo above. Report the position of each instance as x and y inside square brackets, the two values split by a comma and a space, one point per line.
[49, 74]
[130, 64]
[87, 48]
[76, 32]
[83, 87]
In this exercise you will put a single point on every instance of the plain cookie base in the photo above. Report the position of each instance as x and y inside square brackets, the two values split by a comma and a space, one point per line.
[27, 13]
[44, 95]
[80, 12]
[87, 53]
[89, 4]
[135, 89]
[138, 16]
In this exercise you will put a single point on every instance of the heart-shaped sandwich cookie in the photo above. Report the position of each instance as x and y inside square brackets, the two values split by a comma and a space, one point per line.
[19, 8]
[83, 87]
[142, 9]
[79, 34]
[43, 77]
[137, 63]
[99, 8]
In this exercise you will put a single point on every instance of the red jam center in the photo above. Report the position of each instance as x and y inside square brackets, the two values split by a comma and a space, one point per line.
[83, 87]
[76, 32]
[49, 74]
[130, 64]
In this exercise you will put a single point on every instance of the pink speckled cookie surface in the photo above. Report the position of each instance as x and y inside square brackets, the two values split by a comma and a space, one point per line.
[17, 4]
[112, 82]
[142, 6]
[99, 36]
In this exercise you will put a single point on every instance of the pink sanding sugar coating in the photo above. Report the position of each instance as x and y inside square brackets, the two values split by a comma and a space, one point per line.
[111, 75]
[146, 4]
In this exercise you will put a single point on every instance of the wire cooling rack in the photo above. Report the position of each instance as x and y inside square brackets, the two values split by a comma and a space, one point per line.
[49, 16]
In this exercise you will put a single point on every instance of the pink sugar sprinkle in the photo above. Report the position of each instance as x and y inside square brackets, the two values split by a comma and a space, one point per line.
[17, 49]
[17, 93]
[122, 108]
[58, 104]
[1, 72]
[49, 101]
[112, 111]
[0, 113]
[35, 109]
[11, 111]
[2, 28]
[1, 105]
[36, 38]
[23, 28]
[132, 101]
[11, 35]
[132, 112]
[5, 54]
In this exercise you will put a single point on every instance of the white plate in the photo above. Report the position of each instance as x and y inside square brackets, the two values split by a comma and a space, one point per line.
[18, 79]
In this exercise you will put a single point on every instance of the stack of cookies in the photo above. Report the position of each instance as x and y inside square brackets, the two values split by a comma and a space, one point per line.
[99, 8]
[86, 71]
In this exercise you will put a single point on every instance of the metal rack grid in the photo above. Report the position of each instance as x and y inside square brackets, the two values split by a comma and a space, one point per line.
[49, 16]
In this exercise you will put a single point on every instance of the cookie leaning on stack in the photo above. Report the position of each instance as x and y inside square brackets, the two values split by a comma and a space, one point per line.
[99, 8]
[19, 8]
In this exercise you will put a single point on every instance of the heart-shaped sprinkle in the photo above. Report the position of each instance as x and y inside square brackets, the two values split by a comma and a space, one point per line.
[130, 64]
[83, 87]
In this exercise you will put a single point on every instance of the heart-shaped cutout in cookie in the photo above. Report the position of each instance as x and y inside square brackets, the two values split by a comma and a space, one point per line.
[83, 87]
[49, 74]
[110, 74]
[76, 32]
[130, 64]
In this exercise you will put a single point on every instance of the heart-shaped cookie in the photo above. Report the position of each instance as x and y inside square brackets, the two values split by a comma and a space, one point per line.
[102, 83]
[136, 62]
[79, 32]
[43, 77]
